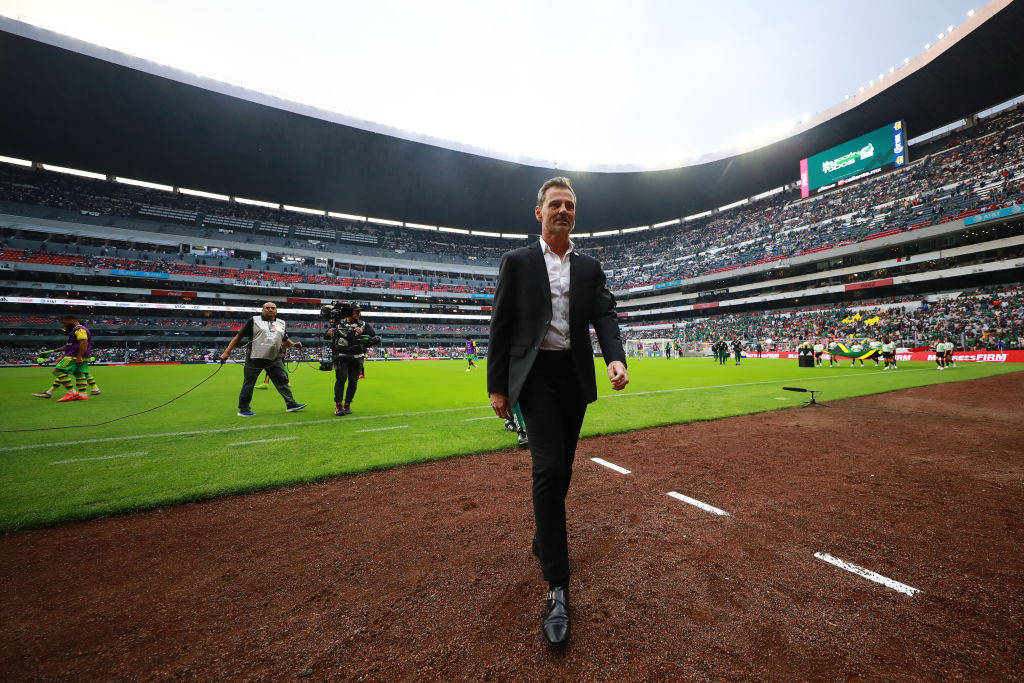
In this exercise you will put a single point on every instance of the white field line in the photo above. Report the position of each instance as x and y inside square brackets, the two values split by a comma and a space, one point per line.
[102, 457]
[380, 429]
[611, 466]
[697, 503]
[474, 419]
[304, 423]
[868, 574]
[246, 443]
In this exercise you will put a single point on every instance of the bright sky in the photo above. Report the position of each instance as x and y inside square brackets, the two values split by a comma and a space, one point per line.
[577, 82]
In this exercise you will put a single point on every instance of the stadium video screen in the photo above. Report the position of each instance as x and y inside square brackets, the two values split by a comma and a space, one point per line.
[872, 153]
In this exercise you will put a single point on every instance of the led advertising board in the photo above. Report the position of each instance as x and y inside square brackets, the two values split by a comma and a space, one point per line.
[870, 154]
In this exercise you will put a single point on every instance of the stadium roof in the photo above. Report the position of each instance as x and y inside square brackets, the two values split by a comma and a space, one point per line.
[66, 106]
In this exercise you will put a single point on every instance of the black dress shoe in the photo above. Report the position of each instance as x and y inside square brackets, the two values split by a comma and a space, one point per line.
[555, 626]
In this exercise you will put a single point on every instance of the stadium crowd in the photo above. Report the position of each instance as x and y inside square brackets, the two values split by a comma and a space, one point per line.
[978, 319]
[975, 170]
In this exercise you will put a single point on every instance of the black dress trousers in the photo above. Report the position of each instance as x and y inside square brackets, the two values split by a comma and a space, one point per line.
[553, 405]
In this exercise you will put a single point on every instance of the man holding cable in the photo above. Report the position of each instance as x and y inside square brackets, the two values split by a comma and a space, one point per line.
[267, 337]
[540, 356]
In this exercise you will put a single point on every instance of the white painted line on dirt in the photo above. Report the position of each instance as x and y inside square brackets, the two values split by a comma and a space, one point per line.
[611, 466]
[102, 457]
[868, 574]
[697, 503]
[246, 443]
[473, 419]
[380, 429]
[333, 420]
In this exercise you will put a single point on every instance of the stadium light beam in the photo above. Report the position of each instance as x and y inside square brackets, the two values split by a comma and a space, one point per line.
[15, 161]
[74, 171]
[303, 209]
[346, 216]
[384, 221]
[201, 193]
[459, 231]
[419, 226]
[143, 183]
[257, 202]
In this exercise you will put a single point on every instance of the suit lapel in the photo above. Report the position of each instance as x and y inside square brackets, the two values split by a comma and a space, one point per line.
[574, 275]
[541, 274]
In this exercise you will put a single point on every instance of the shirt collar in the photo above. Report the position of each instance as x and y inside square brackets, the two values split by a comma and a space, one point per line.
[545, 249]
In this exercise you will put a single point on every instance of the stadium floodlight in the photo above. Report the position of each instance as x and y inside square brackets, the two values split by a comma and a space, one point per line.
[695, 216]
[485, 234]
[769, 193]
[892, 69]
[515, 236]
[74, 171]
[346, 216]
[862, 88]
[143, 183]
[200, 193]
[384, 221]
[419, 226]
[927, 46]
[733, 205]
[970, 13]
[302, 209]
[906, 60]
[871, 82]
[257, 202]
[949, 29]
[941, 36]
[605, 233]
[636, 229]
[674, 221]
[582, 234]
[16, 161]
[456, 230]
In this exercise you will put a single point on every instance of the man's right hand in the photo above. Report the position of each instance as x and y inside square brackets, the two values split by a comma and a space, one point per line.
[499, 402]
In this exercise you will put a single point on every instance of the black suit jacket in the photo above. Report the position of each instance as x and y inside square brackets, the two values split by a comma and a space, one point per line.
[522, 312]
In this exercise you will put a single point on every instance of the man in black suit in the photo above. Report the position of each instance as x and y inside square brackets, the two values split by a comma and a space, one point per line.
[540, 355]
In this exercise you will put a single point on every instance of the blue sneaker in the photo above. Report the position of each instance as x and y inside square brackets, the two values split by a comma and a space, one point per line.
[295, 408]
[245, 413]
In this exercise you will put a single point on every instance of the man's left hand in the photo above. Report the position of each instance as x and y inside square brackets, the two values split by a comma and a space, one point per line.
[618, 375]
[298, 344]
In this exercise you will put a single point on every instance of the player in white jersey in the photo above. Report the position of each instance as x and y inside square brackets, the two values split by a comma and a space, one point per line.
[940, 353]
[858, 349]
[889, 354]
[876, 345]
[819, 348]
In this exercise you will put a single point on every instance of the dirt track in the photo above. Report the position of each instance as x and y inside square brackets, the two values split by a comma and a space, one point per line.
[426, 572]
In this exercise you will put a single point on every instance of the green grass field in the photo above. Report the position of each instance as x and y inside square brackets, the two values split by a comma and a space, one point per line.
[405, 412]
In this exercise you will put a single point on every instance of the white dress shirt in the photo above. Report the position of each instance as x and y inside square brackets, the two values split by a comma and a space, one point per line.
[557, 336]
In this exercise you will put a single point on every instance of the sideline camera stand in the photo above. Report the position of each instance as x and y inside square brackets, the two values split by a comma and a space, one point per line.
[812, 392]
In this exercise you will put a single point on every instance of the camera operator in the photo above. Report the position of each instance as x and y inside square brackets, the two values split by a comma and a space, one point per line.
[350, 338]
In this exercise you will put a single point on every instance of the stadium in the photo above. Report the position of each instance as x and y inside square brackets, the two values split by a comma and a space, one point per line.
[719, 526]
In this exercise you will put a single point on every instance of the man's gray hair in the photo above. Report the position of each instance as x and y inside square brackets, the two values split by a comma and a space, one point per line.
[560, 181]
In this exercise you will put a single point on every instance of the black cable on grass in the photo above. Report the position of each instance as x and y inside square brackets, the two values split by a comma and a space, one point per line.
[106, 422]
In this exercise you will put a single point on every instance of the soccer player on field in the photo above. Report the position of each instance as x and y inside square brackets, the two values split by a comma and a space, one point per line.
[470, 354]
[940, 353]
[889, 354]
[949, 353]
[819, 348]
[74, 363]
[874, 344]
[833, 347]
[857, 348]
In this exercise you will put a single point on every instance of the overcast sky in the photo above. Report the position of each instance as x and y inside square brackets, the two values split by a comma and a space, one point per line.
[576, 82]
